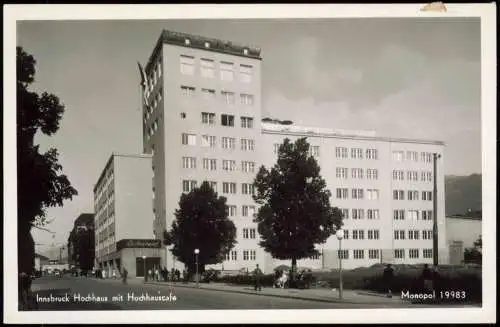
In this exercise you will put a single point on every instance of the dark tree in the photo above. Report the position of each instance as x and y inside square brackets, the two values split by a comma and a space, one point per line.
[201, 222]
[40, 183]
[478, 244]
[295, 212]
[474, 254]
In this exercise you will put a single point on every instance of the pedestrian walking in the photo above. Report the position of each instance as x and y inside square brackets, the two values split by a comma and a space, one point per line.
[103, 274]
[172, 274]
[427, 278]
[114, 273]
[124, 275]
[257, 274]
[177, 274]
[388, 277]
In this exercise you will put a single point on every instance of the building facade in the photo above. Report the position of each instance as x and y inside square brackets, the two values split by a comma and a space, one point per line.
[202, 121]
[124, 216]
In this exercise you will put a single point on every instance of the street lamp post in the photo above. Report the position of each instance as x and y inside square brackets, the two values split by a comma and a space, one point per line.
[340, 236]
[435, 255]
[196, 252]
[145, 273]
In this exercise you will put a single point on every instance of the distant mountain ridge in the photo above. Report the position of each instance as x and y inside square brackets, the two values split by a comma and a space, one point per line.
[463, 194]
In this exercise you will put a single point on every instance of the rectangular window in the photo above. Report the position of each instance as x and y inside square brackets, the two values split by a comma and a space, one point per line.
[228, 188]
[372, 174]
[355, 234]
[373, 254]
[208, 118]
[413, 253]
[412, 195]
[373, 214]
[246, 122]
[398, 195]
[187, 65]
[252, 233]
[427, 253]
[356, 153]
[345, 213]
[247, 188]
[228, 143]
[412, 156]
[188, 162]
[276, 147]
[228, 165]
[188, 139]
[340, 152]
[397, 156]
[343, 254]
[213, 185]
[231, 211]
[228, 97]
[246, 99]
[372, 154]
[346, 234]
[357, 173]
[357, 193]
[342, 193]
[399, 253]
[207, 68]
[247, 166]
[358, 254]
[226, 71]
[372, 194]
[248, 211]
[246, 73]
[314, 151]
[227, 120]
[399, 214]
[208, 94]
[246, 255]
[427, 215]
[413, 215]
[209, 164]
[247, 145]
[208, 141]
[245, 233]
[187, 91]
[188, 185]
[358, 213]
[341, 173]
[234, 255]
[426, 196]
[253, 255]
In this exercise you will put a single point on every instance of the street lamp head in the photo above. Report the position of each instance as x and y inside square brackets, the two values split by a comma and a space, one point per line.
[339, 234]
[143, 257]
[196, 251]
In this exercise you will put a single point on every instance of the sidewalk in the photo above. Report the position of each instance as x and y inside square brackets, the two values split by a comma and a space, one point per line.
[319, 295]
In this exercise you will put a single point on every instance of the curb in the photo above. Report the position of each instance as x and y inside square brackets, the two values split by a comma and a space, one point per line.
[270, 295]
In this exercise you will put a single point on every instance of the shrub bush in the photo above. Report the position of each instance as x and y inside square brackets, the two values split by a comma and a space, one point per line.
[265, 280]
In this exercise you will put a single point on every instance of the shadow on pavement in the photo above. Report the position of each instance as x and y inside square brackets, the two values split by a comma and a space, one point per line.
[71, 305]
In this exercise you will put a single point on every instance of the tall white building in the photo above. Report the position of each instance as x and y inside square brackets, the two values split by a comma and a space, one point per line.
[203, 122]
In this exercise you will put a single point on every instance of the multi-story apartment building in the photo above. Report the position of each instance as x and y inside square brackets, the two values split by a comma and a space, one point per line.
[124, 216]
[384, 187]
[202, 122]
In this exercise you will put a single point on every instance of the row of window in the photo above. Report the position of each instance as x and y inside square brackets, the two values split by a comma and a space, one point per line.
[228, 97]
[360, 213]
[313, 149]
[425, 176]
[375, 253]
[208, 118]
[400, 214]
[358, 193]
[211, 142]
[249, 233]
[359, 234]
[356, 153]
[227, 187]
[153, 78]
[248, 255]
[207, 69]
[412, 156]
[211, 164]
[413, 234]
[356, 173]
[413, 195]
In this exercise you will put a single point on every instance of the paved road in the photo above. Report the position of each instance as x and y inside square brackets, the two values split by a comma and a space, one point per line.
[176, 298]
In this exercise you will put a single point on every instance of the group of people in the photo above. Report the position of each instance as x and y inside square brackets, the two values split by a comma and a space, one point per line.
[429, 278]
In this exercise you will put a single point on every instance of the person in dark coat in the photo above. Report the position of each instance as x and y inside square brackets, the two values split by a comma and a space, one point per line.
[124, 275]
[257, 274]
[388, 277]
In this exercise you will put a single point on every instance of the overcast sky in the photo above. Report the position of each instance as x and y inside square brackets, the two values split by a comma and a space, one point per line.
[404, 77]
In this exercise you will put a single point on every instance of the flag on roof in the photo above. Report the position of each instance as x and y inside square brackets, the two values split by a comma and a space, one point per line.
[144, 85]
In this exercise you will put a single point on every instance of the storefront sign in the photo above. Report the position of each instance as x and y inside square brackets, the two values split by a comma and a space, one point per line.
[150, 244]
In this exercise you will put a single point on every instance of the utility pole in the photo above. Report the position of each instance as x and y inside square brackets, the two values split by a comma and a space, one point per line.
[435, 242]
